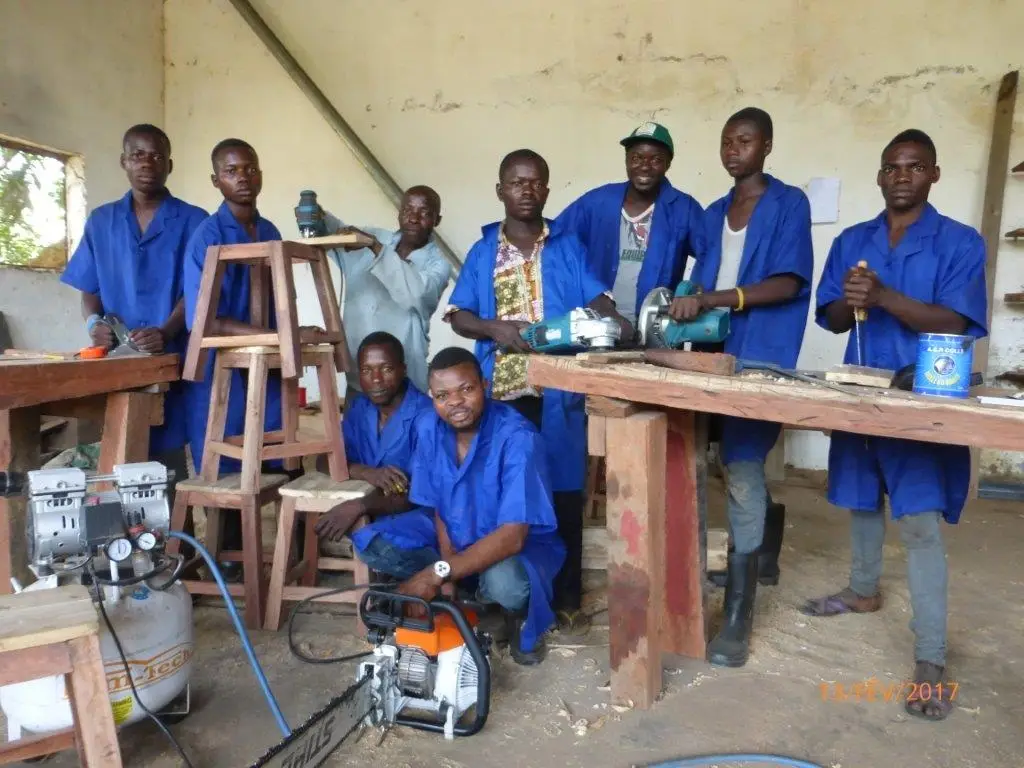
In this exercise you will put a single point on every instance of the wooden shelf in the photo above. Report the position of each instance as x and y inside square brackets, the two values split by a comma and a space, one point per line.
[1013, 298]
[1015, 234]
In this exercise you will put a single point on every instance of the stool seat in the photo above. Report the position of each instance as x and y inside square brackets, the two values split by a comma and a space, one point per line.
[46, 616]
[229, 483]
[316, 485]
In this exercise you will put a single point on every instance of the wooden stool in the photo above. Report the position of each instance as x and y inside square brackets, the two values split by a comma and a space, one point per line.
[271, 265]
[55, 632]
[255, 446]
[312, 495]
[226, 493]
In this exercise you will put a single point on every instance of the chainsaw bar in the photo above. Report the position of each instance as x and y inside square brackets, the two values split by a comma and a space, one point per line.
[313, 741]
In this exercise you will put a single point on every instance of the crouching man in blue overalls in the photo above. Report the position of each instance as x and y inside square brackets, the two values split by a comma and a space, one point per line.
[925, 274]
[481, 467]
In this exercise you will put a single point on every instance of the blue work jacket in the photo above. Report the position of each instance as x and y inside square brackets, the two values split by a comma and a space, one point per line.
[938, 261]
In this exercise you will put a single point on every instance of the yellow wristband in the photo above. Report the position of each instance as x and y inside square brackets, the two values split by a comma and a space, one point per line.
[739, 293]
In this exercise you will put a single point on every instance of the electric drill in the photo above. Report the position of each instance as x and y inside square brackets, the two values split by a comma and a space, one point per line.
[309, 215]
[658, 330]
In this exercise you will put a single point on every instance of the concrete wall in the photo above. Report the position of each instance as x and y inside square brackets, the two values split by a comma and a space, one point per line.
[75, 75]
[441, 91]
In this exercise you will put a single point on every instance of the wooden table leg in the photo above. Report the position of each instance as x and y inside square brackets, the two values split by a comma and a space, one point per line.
[635, 466]
[19, 452]
[125, 429]
[684, 624]
[95, 733]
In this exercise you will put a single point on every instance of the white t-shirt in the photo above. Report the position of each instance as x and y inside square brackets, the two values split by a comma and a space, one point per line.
[732, 255]
[634, 232]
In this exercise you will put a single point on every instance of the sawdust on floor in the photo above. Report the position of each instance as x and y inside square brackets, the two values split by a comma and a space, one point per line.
[784, 701]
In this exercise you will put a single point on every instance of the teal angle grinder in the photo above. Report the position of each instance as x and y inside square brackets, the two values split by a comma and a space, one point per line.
[659, 331]
[581, 330]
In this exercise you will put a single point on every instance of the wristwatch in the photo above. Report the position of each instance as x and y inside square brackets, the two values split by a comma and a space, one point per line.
[443, 570]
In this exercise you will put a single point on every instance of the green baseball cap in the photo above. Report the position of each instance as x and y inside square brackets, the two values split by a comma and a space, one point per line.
[650, 132]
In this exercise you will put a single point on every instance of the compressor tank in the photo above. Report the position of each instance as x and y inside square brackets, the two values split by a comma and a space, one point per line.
[156, 633]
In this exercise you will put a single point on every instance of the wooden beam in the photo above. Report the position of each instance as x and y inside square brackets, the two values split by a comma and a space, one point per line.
[19, 452]
[683, 617]
[610, 407]
[596, 431]
[126, 429]
[34, 382]
[636, 550]
[702, 362]
[887, 413]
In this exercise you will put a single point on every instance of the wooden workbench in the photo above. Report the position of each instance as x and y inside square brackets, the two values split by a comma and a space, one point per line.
[110, 390]
[653, 438]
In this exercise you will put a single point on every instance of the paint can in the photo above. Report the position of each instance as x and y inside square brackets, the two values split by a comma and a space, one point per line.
[944, 362]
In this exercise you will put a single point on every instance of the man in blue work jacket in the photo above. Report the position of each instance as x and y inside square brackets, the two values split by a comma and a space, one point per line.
[480, 466]
[925, 274]
[523, 270]
[758, 264]
[130, 264]
[638, 233]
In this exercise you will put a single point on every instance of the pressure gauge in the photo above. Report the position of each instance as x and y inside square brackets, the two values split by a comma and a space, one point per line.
[146, 541]
[119, 550]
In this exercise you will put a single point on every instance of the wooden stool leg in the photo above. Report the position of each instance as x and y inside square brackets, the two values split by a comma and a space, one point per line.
[214, 524]
[284, 306]
[282, 560]
[332, 314]
[360, 571]
[332, 423]
[290, 418]
[180, 516]
[216, 419]
[206, 313]
[255, 409]
[95, 734]
[252, 562]
[310, 551]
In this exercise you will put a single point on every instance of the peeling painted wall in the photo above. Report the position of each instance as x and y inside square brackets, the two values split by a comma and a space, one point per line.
[74, 76]
[440, 91]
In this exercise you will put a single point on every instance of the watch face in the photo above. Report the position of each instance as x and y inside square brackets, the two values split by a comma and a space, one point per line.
[442, 569]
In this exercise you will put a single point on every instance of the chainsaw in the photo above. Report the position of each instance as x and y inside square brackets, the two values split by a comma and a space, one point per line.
[659, 331]
[423, 672]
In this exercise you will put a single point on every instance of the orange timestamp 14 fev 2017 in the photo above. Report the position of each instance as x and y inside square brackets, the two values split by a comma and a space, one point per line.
[874, 690]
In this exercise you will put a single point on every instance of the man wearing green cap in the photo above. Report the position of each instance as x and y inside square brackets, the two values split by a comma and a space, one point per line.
[638, 233]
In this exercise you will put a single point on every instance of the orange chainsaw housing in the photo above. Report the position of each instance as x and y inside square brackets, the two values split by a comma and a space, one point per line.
[445, 636]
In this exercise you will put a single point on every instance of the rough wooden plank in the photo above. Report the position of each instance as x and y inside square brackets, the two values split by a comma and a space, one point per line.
[34, 382]
[95, 734]
[17, 666]
[19, 452]
[636, 547]
[683, 615]
[610, 407]
[229, 483]
[319, 485]
[329, 241]
[717, 363]
[623, 356]
[37, 746]
[31, 619]
[887, 413]
[863, 375]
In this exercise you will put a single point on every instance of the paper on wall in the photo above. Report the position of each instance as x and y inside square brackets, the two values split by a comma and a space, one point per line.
[823, 194]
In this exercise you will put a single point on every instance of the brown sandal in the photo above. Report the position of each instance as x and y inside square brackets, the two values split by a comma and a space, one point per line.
[846, 601]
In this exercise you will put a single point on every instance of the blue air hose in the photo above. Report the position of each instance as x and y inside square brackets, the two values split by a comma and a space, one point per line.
[736, 757]
[242, 634]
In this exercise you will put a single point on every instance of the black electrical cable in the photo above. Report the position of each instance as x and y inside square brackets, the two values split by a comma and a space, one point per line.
[174, 576]
[295, 612]
[128, 671]
[131, 580]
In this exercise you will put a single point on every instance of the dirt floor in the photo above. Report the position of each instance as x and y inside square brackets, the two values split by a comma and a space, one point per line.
[784, 701]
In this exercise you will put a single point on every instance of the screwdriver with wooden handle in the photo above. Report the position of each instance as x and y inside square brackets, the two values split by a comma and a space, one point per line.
[860, 316]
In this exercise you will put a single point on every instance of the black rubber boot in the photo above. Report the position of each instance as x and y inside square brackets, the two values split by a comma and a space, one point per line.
[731, 646]
[771, 545]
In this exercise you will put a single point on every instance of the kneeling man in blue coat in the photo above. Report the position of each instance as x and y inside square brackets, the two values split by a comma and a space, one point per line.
[480, 466]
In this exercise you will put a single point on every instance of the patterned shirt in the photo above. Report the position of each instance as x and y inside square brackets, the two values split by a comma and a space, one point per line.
[518, 295]
[634, 233]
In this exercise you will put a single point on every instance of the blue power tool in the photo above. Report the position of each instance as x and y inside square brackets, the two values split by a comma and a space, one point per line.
[309, 216]
[582, 330]
[659, 331]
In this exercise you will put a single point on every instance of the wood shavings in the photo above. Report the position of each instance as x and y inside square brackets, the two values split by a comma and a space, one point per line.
[564, 651]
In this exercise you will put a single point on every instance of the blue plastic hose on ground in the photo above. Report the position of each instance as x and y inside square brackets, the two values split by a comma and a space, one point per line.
[242, 634]
[736, 757]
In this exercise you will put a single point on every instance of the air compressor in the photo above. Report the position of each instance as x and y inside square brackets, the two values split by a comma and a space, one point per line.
[113, 541]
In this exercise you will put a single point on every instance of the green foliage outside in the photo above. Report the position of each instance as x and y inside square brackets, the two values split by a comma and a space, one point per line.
[24, 175]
